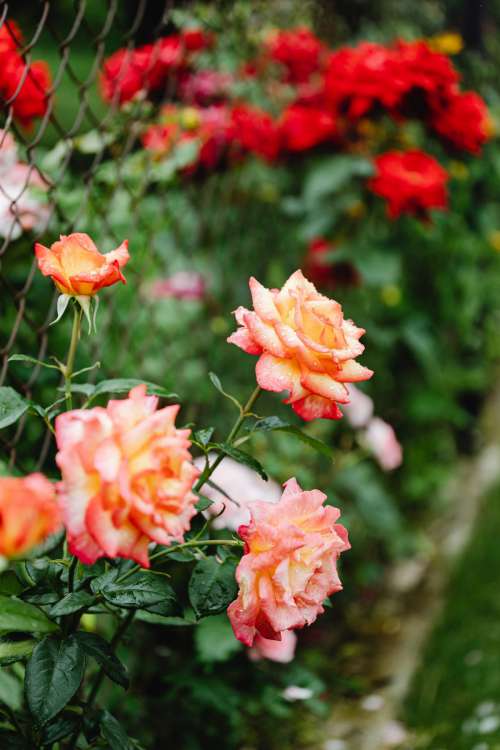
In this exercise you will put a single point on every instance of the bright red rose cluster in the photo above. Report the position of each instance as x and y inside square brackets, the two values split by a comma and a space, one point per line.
[320, 98]
[155, 69]
[24, 86]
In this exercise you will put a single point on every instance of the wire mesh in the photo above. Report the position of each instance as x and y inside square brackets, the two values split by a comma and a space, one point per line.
[26, 317]
[92, 184]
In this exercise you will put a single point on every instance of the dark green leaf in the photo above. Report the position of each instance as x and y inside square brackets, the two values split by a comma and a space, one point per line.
[53, 675]
[114, 734]
[275, 423]
[212, 586]
[203, 503]
[16, 615]
[101, 651]
[140, 590]
[10, 583]
[204, 436]
[242, 457]
[61, 727]
[12, 406]
[11, 651]
[41, 595]
[72, 603]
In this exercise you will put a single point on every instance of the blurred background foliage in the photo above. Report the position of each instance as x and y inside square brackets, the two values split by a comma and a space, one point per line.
[428, 298]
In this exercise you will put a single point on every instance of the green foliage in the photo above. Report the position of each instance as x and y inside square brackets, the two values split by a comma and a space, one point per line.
[212, 586]
[53, 675]
[12, 406]
[16, 615]
[141, 590]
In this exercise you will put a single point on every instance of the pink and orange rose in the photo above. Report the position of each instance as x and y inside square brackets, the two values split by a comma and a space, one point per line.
[127, 478]
[76, 266]
[289, 566]
[306, 346]
[29, 513]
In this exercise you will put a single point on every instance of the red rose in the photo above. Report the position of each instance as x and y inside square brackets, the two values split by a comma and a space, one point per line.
[196, 39]
[412, 182]
[31, 100]
[299, 51]
[358, 78]
[256, 131]
[304, 127]
[462, 120]
[25, 87]
[420, 68]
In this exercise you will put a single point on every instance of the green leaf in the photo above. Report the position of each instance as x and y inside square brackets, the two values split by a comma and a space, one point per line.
[31, 360]
[204, 436]
[332, 175]
[60, 728]
[203, 503]
[215, 380]
[10, 584]
[96, 647]
[16, 615]
[93, 142]
[114, 734]
[140, 590]
[53, 675]
[72, 603]
[214, 639]
[242, 457]
[11, 690]
[11, 651]
[275, 423]
[12, 406]
[212, 586]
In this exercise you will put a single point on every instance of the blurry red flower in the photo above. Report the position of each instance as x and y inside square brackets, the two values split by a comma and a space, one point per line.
[360, 77]
[256, 131]
[10, 37]
[463, 121]
[149, 68]
[24, 86]
[127, 72]
[412, 182]
[299, 51]
[31, 99]
[420, 68]
[195, 39]
[303, 128]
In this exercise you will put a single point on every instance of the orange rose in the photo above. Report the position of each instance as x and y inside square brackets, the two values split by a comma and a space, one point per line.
[306, 346]
[127, 478]
[77, 267]
[28, 513]
[289, 566]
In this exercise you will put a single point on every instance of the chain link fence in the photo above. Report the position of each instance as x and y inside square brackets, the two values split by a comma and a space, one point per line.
[86, 186]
